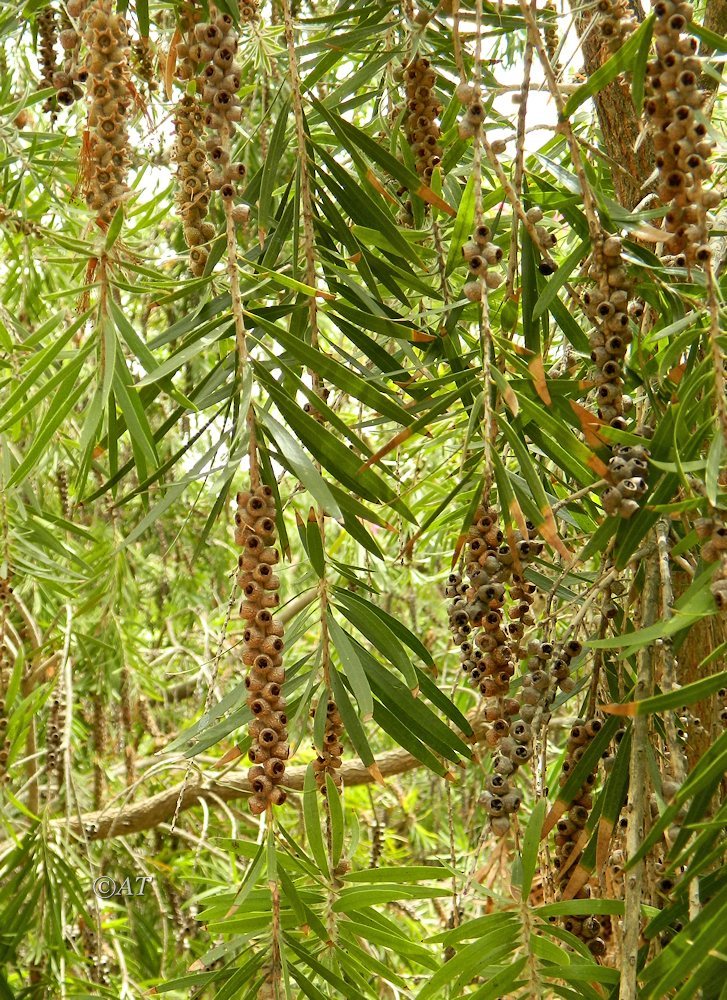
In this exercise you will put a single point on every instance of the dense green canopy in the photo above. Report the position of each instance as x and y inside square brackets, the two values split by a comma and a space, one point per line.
[398, 330]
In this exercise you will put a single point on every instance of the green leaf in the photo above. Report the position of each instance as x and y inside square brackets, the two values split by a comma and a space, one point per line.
[462, 226]
[398, 628]
[362, 615]
[687, 695]
[333, 799]
[114, 230]
[400, 873]
[300, 464]
[617, 63]
[352, 667]
[638, 72]
[696, 603]
[357, 898]
[271, 165]
[351, 721]
[312, 819]
[531, 843]
[69, 393]
[557, 280]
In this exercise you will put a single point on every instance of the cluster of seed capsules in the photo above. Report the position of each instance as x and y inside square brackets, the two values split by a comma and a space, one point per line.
[248, 11]
[570, 827]
[328, 759]
[548, 668]
[53, 739]
[469, 95]
[481, 254]
[255, 534]
[681, 141]
[552, 41]
[68, 78]
[489, 647]
[712, 531]
[107, 63]
[207, 55]
[609, 308]
[615, 22]
[193, 195]
[627, 475]
[47, 33]
[421, 124]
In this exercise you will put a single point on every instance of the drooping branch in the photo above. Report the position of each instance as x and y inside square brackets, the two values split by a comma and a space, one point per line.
[159, 808]
[144, 815]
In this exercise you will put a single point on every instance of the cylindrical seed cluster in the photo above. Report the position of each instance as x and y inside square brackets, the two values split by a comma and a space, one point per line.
[218, 82]
[328, 760]
[53, 739]
[474, 115]
[564, 653]
[615, 22]
[548, 668]
[536, 683]
[107, 62]
[47, 34]
[207, 55]
[255, 534]
[71, 78]
[546, 239]
[608, 307]
[552, 41]
[490, 646]
[481, 254]
[421, 125]
[193, 195]
[681, 139]
[569, 829]
[312, 409]
[62, 486]
[100, 741]
[713, 533]
[628, 469]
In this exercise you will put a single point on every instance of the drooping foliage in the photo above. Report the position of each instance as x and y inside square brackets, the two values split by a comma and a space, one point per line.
[362, 493]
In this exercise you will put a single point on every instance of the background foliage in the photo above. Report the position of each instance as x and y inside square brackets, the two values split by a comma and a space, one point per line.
[125, 433]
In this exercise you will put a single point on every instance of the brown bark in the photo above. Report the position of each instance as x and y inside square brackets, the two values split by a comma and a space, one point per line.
[618, 120]
[156, 809]
[144, 815]
[703, 637]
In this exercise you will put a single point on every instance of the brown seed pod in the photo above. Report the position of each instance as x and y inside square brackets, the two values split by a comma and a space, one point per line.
[682, 145]
[106, 37]
[328, 760]
[47, 57]
[262, 647]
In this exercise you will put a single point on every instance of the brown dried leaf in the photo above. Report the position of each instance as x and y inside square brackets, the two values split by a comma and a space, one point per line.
[549, 531]
[378, 186]
[171, 64]
[232, 754]
[403, 435]
[426, 194]
[589, 425]
[537, 370]
[629, 709]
